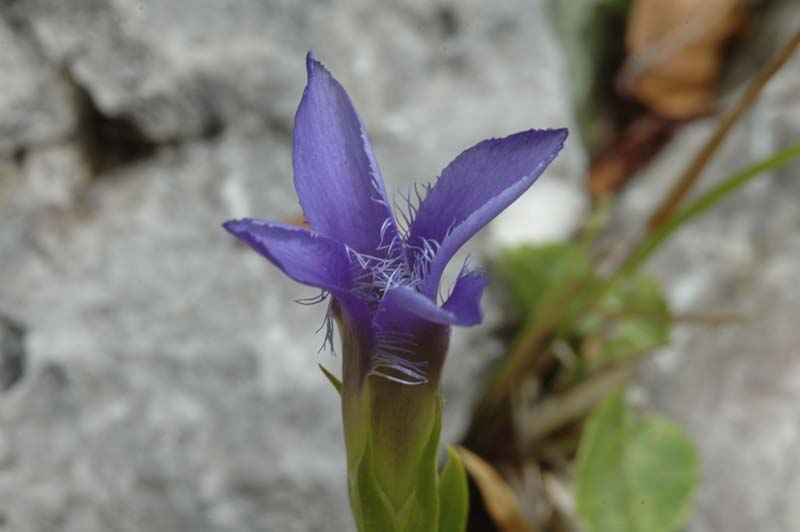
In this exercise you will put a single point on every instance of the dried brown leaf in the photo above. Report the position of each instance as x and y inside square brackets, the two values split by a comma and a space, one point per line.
[498, 498]
[675, 52]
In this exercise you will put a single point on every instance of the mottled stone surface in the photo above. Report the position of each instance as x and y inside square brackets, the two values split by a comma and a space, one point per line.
[170, 384]
[37, 104]
[168, 389]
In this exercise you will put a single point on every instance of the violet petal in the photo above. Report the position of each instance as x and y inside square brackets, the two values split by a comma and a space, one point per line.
[476, 187]
[402, 306]
[306, 257]
[336, 176]
[465, 299]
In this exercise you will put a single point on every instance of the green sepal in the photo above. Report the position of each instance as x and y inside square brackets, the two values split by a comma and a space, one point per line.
[373, 509]
[453, 494]
[332, 378]
[424, 499]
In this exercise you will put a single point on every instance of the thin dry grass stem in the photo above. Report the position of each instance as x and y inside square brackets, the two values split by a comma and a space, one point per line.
[710, 319]
[692, 173]
[559, 493]
[572, 404]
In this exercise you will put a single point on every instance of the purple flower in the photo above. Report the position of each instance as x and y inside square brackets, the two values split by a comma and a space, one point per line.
[384, 276]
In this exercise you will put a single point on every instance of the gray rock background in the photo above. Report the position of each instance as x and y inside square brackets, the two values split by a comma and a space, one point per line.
[165, 382]
[169, 384]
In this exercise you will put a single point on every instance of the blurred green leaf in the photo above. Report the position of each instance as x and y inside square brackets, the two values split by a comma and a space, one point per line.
[634, 475]
[453, 494]
[538, 276]
[630, 317]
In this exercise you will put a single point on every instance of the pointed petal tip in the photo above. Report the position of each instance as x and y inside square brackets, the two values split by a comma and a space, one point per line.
[313, 66]
[556, 137]
[562, 133]
[559, 136]
[233, 225]
[556, 134]
[238, 226]
[311, 62]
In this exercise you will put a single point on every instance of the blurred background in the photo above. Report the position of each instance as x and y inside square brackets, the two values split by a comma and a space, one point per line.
[155, 375]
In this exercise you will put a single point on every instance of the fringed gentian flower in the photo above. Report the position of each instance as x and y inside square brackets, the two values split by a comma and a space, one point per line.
[384, 279]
